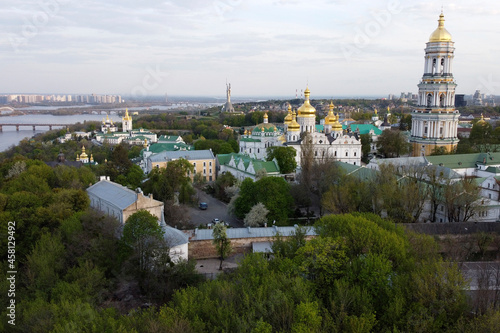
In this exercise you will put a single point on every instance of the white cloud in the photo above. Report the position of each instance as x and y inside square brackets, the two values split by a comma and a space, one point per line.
[264, 48]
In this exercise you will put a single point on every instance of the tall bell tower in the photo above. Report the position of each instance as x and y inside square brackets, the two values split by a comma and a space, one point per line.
[435, 120]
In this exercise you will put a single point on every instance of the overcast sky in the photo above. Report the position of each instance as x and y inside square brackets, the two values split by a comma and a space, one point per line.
[262, 47]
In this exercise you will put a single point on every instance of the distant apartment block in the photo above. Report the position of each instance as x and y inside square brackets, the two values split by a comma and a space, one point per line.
[32, 99]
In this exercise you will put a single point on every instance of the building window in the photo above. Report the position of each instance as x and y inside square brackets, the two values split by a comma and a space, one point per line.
[210, 170]
[194, 164]
[258, 150]
[210, 163]
[250, 150]
[489, 195]
[354, 154]
[210, 178]
[335, 154]
[346, 153]
[204, 164]
[204, 171]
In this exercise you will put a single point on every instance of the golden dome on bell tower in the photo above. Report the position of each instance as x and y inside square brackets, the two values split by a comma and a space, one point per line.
[440, 34]
[306, 110]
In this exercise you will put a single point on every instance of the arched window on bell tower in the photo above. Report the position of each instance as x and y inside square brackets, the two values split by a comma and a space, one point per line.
[429, 100]
[442, 66]
[441, 100]
[434, 66]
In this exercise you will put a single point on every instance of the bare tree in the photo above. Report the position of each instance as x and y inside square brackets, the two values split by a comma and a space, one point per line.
[462, 199]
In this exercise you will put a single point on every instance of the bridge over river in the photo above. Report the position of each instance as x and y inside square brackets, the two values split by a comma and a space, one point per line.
[34, 126]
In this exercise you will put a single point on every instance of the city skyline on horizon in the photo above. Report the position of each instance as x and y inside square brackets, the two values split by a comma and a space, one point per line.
[337, 48]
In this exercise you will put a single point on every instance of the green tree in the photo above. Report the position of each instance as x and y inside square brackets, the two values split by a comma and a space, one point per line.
[393, 143]
[405, 122]
[481, 133]
[45, 263]
[322, 260]
[366, 141]
[285, 157]
[462, 199]
[274, 192]
[165, 183]
[221, 241]
[217, 146]
[222, 182]
[120, 159]
[140, 231]
[439, 151]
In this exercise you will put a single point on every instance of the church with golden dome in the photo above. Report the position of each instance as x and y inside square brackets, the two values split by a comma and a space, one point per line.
[256, 141]
[329, 142]
[435, 119]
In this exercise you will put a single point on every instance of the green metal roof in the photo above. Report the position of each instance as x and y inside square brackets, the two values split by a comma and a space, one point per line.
[365, 128]
[169, 138]
[249, 140]
[156, 148]
[479, 180]
[458, 161]
[269, 166]
[360, 172]
[493, 169]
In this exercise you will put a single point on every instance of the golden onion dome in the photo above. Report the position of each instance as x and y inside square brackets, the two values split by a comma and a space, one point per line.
[294, 125]
[288, 118]
[83, 155]
[330, 118]
[145, 144]
[127, 117]
[306, 109]
[481, 120]
[336, 126]
[440, 34]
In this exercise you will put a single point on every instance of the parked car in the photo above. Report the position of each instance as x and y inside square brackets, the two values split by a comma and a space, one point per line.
[203, 205]
[215, 221]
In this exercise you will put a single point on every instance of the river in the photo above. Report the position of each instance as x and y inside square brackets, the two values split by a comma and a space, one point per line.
[9, 136]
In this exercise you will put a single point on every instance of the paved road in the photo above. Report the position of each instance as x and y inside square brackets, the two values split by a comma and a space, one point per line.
[216, 209]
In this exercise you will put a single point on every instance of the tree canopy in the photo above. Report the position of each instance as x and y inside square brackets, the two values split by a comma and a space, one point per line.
[285, 157]
[393, 143]
[273, 192]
